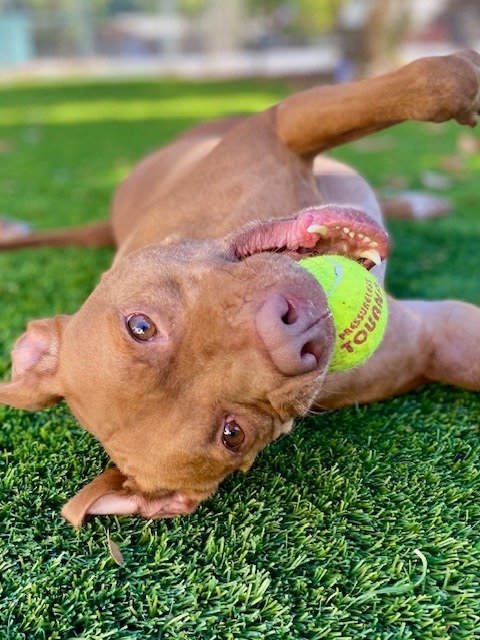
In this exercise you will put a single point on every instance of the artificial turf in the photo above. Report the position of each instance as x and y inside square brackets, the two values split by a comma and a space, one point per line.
[365, 523]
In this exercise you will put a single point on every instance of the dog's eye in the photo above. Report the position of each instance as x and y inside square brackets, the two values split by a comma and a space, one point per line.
[233, 435]
[141, 327]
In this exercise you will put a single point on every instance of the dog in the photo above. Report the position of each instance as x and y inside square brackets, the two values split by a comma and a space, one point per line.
[205, 339]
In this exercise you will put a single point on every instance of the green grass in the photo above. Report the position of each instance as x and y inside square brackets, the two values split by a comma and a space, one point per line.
[319, 539]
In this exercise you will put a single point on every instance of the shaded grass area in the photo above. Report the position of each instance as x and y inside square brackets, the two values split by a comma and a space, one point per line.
[318, 540]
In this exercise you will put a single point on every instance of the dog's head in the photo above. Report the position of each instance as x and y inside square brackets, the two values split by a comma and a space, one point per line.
[190, 356]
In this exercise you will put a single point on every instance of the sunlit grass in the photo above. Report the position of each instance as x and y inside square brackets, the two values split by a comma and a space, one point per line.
[133, 109]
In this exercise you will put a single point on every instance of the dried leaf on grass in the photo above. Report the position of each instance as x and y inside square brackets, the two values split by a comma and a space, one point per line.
[415, 205]
[5, 147]
[467, 143]
[454, 164]
[397, 182]
[434, 180]
[114, 550]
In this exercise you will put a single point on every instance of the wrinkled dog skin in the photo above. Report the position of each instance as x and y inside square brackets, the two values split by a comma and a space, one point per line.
[206, 339]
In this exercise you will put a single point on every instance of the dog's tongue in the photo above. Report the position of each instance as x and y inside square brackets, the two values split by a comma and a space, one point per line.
[318, 230]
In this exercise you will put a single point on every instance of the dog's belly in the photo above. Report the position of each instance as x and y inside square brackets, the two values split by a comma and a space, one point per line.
[198, 188]
[153, 178]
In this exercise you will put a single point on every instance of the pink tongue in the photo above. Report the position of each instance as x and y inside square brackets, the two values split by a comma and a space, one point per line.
[332, 229]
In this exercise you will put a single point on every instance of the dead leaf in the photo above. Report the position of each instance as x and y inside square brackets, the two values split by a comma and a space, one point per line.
[434, 180]
[454, 164]
[415, 205]
[5, 147]
[468, 144]
[114, 550]
[397, 182]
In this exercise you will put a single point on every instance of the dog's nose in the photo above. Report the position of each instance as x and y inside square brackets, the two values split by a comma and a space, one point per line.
[297, 335]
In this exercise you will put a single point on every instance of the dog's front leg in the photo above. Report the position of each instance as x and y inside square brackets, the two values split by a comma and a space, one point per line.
[430, 89]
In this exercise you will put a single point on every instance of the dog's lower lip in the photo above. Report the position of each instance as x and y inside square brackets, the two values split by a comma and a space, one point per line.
[319, 229]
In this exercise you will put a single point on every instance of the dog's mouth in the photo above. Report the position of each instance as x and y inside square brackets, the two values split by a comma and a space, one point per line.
[319, 230]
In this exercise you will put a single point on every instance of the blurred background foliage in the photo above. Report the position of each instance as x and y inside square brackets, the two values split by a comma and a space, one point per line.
[370, 35]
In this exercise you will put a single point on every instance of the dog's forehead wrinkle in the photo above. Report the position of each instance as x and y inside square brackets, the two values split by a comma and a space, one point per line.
[182, 252]
[182, 259]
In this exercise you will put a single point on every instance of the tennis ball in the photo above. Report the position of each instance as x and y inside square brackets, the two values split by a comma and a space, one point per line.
[358, 305]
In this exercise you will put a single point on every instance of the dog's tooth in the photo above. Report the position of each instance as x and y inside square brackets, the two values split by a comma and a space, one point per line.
[367, 239]
[352, 234]
[374, 244]
[346, 230]
[371, 254]
[337, 227]
[321, 229]
[361, 236]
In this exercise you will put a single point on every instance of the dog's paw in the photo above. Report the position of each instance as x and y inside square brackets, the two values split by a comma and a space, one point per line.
[468, 114]
[11, 229]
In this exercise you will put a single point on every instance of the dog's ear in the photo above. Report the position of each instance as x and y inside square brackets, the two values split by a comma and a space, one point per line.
[108, 485]
[34, 384]
[111, 494]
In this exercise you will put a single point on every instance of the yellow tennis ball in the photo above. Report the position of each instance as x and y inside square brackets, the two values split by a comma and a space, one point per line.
[358, 305]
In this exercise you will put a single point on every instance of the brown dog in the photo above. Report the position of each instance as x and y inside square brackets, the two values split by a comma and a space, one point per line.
[205, 339]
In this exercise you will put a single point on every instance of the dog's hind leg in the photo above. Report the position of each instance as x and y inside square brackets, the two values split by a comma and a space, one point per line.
[424, 342]
[452, 341]
[430, 89]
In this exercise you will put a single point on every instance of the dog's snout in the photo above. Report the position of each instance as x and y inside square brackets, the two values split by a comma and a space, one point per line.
[296, 335]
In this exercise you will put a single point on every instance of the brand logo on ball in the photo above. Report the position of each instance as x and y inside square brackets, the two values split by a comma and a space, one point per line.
[365, 322]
